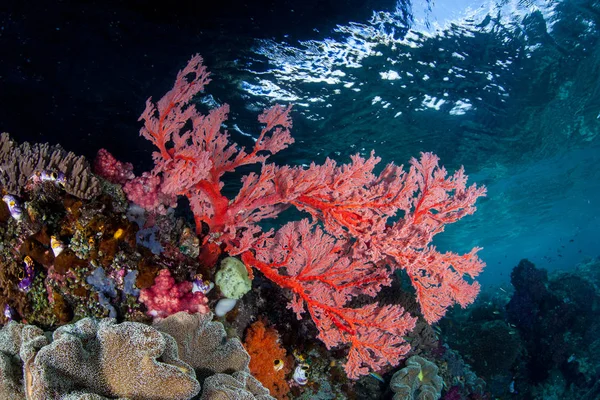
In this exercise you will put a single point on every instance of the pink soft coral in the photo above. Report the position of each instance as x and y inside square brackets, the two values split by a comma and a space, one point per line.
[166, 297]
[111, 169]
[147, 192]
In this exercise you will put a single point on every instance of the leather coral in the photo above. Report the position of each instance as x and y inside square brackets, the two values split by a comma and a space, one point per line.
[99, 358]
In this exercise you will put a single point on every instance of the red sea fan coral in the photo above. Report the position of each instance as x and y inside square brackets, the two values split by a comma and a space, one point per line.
[364, 226]
[324, 277]
[192, 162]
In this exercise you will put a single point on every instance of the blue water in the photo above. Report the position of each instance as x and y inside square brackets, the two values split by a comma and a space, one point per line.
[512, 92]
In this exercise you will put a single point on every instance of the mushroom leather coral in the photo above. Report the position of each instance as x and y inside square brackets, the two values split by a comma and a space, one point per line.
[262, 343]
[239, 385]
[221, 363]
[203, 343]
[102, 359]
[99, 359]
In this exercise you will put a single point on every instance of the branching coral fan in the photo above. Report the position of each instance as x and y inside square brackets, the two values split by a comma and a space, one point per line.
[364, 226]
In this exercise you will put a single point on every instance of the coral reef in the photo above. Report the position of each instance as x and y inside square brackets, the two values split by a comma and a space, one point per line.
[557, 318]
[76, 248]
[364, 242]
[67, 258]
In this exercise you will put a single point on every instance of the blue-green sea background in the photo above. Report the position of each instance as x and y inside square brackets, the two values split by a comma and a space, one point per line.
[509, 89]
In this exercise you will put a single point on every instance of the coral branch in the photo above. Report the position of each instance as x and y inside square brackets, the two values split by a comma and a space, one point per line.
[317, 269]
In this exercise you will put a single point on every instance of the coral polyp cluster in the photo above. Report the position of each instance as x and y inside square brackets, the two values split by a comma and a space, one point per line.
[67, 257]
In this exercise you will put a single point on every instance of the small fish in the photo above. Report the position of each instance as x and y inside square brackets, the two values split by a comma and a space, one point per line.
[118, 233]
[377, 376]
[503, 290]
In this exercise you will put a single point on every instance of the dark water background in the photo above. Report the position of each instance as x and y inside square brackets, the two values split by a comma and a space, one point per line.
[509, 89]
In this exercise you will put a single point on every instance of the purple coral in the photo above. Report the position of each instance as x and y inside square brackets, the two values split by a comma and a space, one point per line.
[106, 289]
[27, 281]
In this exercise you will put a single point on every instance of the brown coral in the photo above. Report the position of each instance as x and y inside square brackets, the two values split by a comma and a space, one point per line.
[221, 364]
[204, 345]
[240, 386]
[18, 345]
[19, 162]
[97, 360]
[11, 387]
